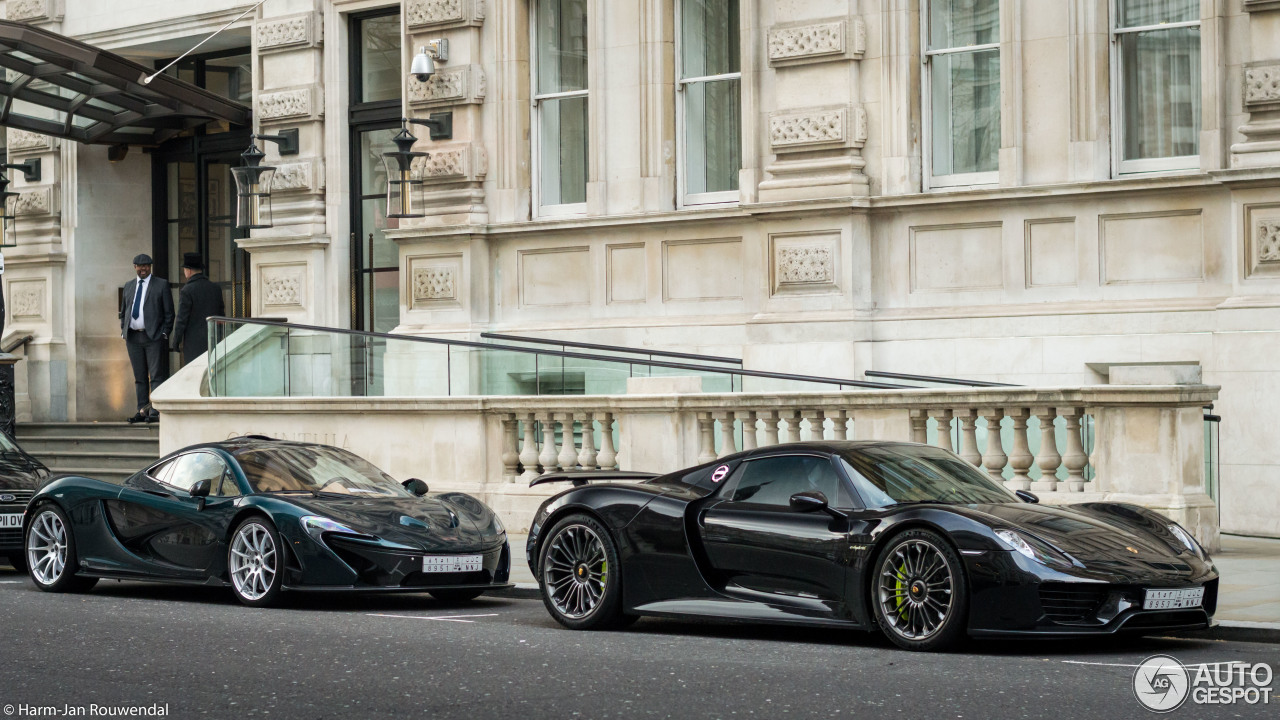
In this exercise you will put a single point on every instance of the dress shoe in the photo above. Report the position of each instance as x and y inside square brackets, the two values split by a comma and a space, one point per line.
[153, 418]
[137, 418]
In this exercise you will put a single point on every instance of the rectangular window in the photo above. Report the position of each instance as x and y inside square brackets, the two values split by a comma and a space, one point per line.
[962, 91]
[1156, 66]
[709, 98]
[560, 100]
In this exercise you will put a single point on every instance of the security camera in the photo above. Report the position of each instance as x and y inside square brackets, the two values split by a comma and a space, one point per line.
[424, 63]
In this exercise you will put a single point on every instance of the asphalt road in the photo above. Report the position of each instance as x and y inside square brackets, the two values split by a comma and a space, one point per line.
[200, 654]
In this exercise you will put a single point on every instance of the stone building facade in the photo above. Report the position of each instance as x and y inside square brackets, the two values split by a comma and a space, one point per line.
[1026, 191]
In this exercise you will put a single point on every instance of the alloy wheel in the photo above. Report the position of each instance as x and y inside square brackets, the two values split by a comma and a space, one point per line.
[915, 589]
[576, 571]
[253, 561]
[47, 548]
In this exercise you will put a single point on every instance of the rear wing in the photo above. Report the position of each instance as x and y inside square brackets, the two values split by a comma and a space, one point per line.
[582, 477]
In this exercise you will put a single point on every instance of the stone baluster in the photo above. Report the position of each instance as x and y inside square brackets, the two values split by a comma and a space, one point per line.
[749, 439]
[568, 452]
[706, 438]
[839, 424]
[919, 426]
[770, 428]
[1075, 459]
[944, 429]
[1020, 457]
[791, 420]
[994, 458]
[817, 423]
[587, 455]
[969, 437]
[510, 448]
[1048, 460]
[728, 443]
[547, 458]
[529, 452]
[607, 457]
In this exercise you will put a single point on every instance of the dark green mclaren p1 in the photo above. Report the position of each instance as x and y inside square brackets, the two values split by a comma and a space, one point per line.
[263, 517]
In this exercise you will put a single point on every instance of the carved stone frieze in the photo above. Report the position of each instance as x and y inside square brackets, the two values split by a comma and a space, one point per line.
[288, 33]
[453, 86]
[1262, 86]
[1268, 241]
[25, 140]
[799, 130]
[435, 283]
[287, 104]
[441, 14]
[28, 300]
[796, 44]
[33, 11]
[296, 176]
[34, 202]
[453, 164]
[282, 285]
[805, 265]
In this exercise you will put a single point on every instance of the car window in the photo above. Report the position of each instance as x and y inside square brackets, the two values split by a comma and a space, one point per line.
[773, 480]
[228, 486]
[193, 467]
[160, 472]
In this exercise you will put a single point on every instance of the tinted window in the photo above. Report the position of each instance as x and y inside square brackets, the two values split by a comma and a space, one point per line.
[893, 474]
[772, 481]
[316, 469]
[160, 472]
[191, 468]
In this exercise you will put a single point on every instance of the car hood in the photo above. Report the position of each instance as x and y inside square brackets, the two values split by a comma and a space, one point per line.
[1092, 538]
[426, 523]
[21, 475]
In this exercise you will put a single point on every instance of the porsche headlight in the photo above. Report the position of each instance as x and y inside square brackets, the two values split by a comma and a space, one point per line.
[1032, 548]
[317, 525]
[1186, 539]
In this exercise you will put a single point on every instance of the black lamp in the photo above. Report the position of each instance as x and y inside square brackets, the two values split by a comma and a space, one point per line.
[253, 180]
[405, 191]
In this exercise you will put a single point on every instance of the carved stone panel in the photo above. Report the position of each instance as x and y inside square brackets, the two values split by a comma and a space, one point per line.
[1262, 240]
[27, 301]
[288, 104]
[33, 11]
[34, 202]
[25, 141]
[442, 14]
[797, 44]
[817, 128]
[805, 263]
[288, 33]
[1262, 86]
[1268, 233]
[297, 176]
[453, 86]
[283, 286]
[453, 163]
[434, 281]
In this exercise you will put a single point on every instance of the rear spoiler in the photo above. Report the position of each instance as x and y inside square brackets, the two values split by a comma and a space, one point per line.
[582, 477]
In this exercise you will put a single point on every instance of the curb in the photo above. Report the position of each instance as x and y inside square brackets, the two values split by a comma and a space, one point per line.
[1236, 631]
[522, 591]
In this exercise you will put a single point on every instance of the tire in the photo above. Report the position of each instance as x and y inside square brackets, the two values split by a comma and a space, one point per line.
[51, 560]
[18, 561]
[255, 562]
[451, 595]
[579, 575]
[919, 592]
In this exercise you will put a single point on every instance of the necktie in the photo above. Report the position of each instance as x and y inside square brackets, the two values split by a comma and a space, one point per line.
[137, 301]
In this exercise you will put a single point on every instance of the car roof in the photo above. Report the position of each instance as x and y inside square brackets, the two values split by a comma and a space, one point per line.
[237, 445]
[835, 447]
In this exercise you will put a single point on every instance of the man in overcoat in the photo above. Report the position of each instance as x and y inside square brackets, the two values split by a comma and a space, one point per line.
[146, 316]
[199, 300]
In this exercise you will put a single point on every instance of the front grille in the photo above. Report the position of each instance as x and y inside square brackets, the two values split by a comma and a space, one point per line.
[421, 579]
[19, 503]
[1211, 597]
[1165, 618]
[1071, 604]
[11, 538]
[1169, 566]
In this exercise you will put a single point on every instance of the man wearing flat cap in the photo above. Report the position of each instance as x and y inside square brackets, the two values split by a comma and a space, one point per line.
[146, 316]
[199, 300]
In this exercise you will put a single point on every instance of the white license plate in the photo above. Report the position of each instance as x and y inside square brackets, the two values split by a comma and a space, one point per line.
[1173, 599]
[10, 521]
[452, 563]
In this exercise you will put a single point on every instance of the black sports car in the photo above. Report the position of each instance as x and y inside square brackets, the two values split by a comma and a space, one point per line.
[20, 476]
[905, 537]
[265, 516]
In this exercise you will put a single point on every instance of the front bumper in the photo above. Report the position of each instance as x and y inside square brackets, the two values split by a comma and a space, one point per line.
[1012, 595]
[347, 564]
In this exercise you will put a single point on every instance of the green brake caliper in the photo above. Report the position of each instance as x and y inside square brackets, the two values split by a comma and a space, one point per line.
[604, 573]
[902, 598]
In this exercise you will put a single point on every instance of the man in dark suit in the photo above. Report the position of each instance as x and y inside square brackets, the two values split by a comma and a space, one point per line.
[198, 300]
[146, 315]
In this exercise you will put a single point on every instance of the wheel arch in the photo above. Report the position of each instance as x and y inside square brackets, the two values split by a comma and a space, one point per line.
[560, 514]
[883, 542]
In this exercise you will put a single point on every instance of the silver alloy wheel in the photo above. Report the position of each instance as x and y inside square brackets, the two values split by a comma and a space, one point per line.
[915, 589]
[576, 571]
[47, 548]
[253, 561]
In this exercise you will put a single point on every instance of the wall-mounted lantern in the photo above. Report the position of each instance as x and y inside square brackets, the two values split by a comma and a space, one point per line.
[406, 192]
[253, 180]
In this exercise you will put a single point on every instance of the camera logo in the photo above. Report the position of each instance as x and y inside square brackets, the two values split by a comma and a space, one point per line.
[1161, 684]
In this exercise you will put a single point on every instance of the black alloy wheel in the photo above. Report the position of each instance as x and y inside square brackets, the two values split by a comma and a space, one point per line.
[920, 594]
[580, 578]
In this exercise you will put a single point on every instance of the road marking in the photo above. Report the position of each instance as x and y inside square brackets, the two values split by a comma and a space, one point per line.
[1129, 665]
[446, 618]
[10, 582]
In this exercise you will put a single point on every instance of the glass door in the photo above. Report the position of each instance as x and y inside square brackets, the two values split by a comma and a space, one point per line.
[226, 263]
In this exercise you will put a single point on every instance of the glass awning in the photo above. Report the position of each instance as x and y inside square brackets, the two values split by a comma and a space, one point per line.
[54, 85]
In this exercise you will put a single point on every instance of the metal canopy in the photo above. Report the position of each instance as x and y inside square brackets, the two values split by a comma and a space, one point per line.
[54, 85]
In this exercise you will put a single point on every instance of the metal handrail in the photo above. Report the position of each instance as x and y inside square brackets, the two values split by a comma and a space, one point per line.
[573, 355]
[930, 378]
[612, 348]
[18, 343]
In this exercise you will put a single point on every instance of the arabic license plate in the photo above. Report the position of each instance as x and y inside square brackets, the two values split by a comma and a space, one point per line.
[451, 563]
[1173, 599]
[10, 521]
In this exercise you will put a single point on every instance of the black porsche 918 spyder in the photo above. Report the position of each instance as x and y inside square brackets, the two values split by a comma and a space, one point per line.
[904, 537]
[265, 516]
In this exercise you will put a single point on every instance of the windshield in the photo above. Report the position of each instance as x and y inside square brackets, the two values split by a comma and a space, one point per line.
[316, 469]
[892, 474]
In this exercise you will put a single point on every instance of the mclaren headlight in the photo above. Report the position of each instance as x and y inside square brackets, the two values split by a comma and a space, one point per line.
[1033, 548]
[317, 525]
[497, 524]
[1187, 540]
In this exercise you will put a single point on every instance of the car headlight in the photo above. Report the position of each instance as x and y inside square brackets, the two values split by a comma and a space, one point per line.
[497, 524]
[1032, 548]
[317, 525]
[1186, 539]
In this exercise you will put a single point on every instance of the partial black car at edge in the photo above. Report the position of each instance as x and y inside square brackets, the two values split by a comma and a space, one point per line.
[262, 517]
[20, 476]
[902, 537]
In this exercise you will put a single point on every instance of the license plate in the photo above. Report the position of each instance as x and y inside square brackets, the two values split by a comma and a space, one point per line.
[452, 563]
[1173, 599]
[10, 521]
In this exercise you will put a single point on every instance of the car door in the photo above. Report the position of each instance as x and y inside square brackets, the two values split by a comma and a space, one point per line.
[760, 548]
[173, 533]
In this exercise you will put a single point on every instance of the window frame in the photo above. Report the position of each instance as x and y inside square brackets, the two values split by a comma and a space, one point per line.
[536, 100]
[730, 485]
[953, 180]
[1178, 164]
[683, 197]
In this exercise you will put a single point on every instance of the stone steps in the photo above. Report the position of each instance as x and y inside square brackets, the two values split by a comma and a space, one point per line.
[108, 451]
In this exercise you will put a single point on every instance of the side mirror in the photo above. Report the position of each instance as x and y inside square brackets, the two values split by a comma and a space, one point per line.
[1026, 496]
[809, 501]
[416, 486]
[201, 488]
